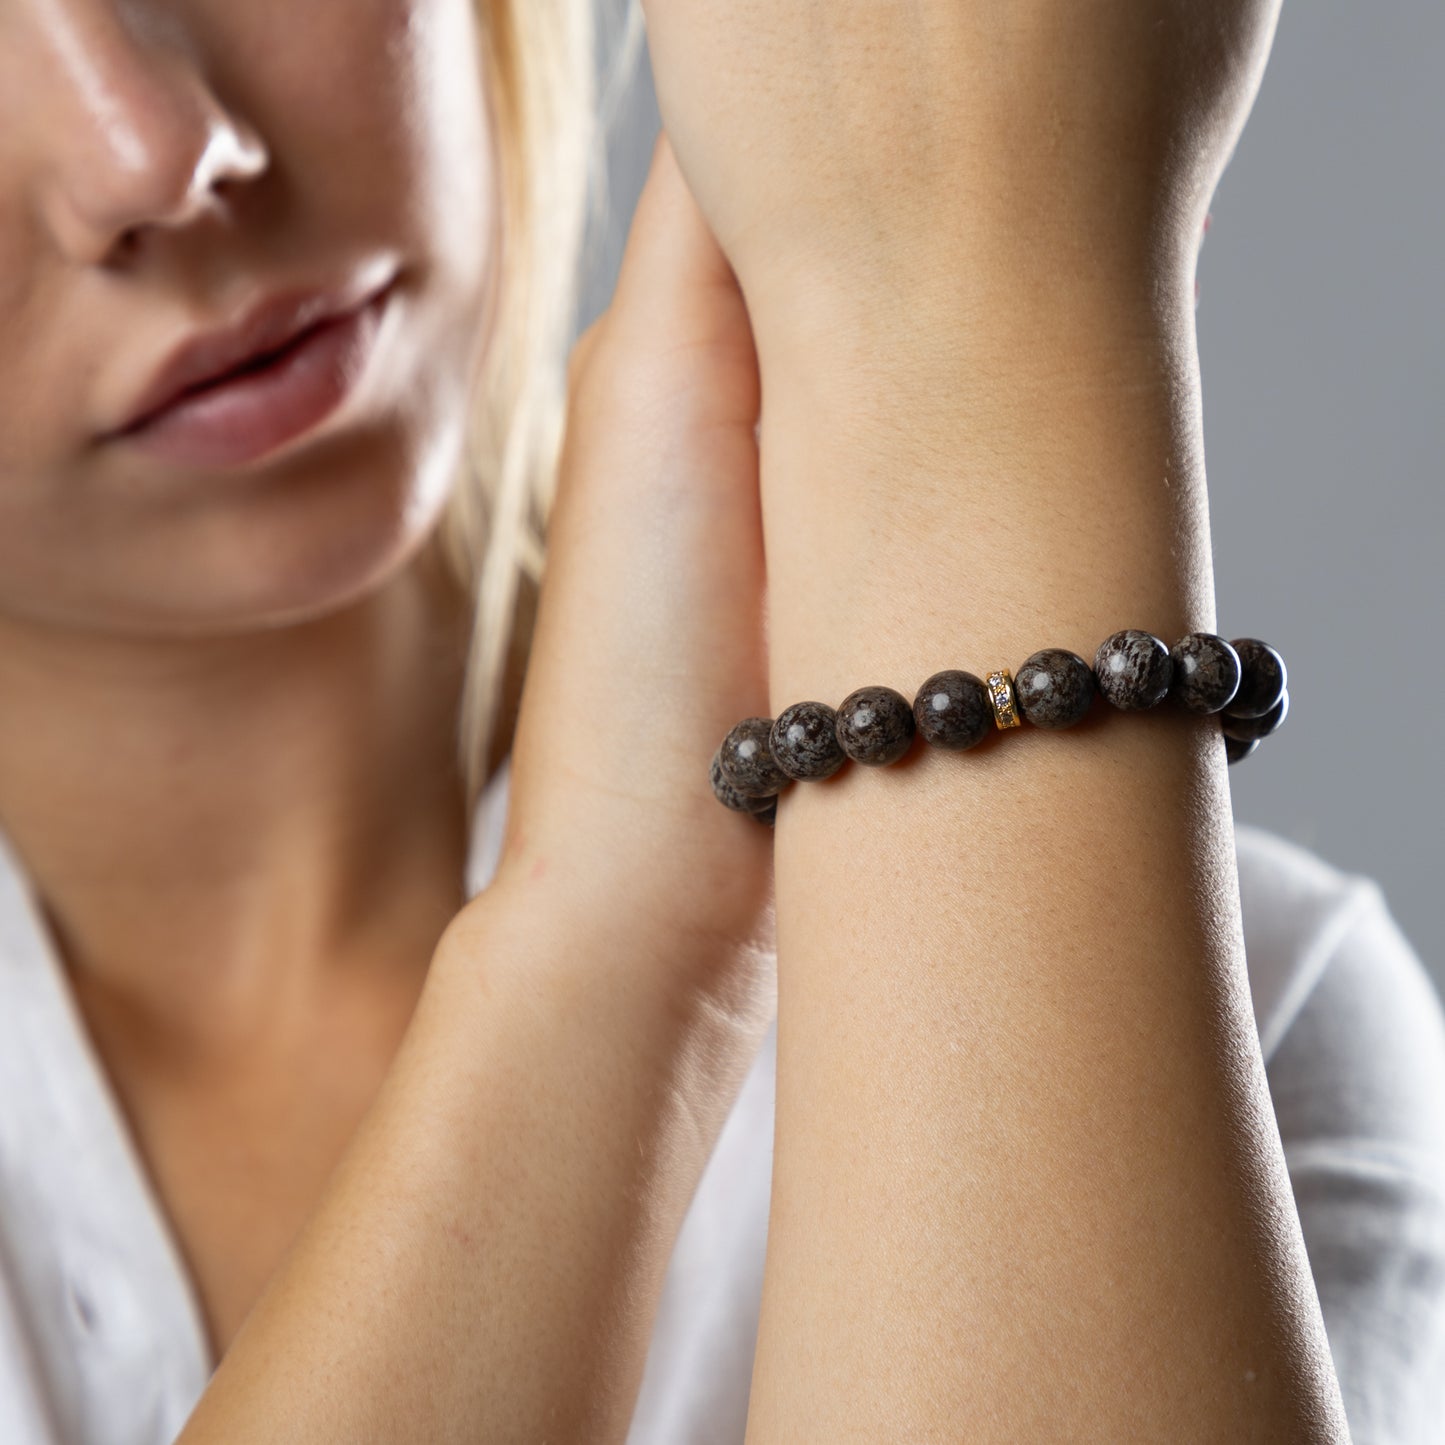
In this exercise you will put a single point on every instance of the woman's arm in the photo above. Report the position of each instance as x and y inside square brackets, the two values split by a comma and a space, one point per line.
[487, 1260]
[1027, 1179]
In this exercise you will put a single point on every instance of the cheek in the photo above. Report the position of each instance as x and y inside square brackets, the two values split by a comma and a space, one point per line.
[383, 113]
[390, 140]
[377, 119]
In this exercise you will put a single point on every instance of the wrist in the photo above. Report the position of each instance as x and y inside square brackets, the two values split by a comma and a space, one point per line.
[574, 955]
[1038, 462]
[528, 937]
[980, 274]
[983, 388]
[1081, 311]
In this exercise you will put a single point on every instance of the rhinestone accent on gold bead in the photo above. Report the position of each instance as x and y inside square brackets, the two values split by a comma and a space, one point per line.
[1001, 694]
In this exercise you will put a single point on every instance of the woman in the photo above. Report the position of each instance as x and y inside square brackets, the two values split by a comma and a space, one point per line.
[374, 1075]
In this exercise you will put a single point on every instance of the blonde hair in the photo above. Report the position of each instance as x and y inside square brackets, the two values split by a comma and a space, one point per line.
[538, 59]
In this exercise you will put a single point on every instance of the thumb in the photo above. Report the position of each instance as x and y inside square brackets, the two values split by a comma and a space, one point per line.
[649, 642]
[675, 286]
[674, 231]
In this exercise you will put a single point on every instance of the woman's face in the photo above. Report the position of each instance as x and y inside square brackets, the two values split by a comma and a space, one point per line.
[164, 165]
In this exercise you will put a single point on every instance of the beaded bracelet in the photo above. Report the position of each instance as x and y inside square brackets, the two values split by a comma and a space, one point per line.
[1243, 680]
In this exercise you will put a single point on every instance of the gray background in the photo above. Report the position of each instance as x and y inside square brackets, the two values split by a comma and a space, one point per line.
[1320, 324]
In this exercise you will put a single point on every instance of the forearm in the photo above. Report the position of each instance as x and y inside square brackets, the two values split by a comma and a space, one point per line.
[486, 1262]
[1027, 1179]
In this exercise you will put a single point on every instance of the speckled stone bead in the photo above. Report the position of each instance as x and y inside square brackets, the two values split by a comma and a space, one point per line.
[1132, 669]
[875, 725]
[1250, 729]
[728, 795]
[747, 759]
[1054, 688]
[804, 741]
[769, 813]
[1207, 672]
[1264, 679]
[1236, 751]
[952, 710]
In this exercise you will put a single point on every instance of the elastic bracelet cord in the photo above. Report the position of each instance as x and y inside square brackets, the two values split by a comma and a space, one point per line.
[1244, 681]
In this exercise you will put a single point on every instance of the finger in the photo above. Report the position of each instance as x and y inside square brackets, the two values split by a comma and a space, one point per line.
[672, 260]
[657, 528]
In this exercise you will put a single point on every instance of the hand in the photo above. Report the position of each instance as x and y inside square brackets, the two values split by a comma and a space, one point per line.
[856, 146]
[649, 640]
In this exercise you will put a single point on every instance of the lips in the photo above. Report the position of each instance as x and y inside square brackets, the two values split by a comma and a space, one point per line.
[266, 329]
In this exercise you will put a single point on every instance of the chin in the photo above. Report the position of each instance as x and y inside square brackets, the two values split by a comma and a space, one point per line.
[327, 530]
[320, 531]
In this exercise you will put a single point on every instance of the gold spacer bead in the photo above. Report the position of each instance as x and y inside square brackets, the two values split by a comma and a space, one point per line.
[1000, 685]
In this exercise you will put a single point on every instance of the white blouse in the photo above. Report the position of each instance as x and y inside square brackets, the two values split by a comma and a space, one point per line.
[101, 1340]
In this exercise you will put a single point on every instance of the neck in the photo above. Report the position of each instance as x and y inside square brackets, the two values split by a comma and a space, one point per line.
[218, 827]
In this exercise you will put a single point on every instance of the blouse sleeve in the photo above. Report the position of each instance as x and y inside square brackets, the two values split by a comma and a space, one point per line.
[1358, 1083]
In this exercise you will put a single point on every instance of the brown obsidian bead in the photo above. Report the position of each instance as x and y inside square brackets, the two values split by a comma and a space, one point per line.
[1236, 751]
[747, 759]
[1054, 688]
[728, 795]
[1207, 672]
[1132, 669]
[1264, 679]
[875, 725]
[952, 710]
[804, 741]
[1251, 729]
[769, 813]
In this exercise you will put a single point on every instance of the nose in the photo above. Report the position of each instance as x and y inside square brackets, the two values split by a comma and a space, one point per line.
[126, 129]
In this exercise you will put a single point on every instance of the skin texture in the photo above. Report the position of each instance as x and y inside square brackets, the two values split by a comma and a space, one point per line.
[1027, 1181]
[1030, 133]
[1088, 1231]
